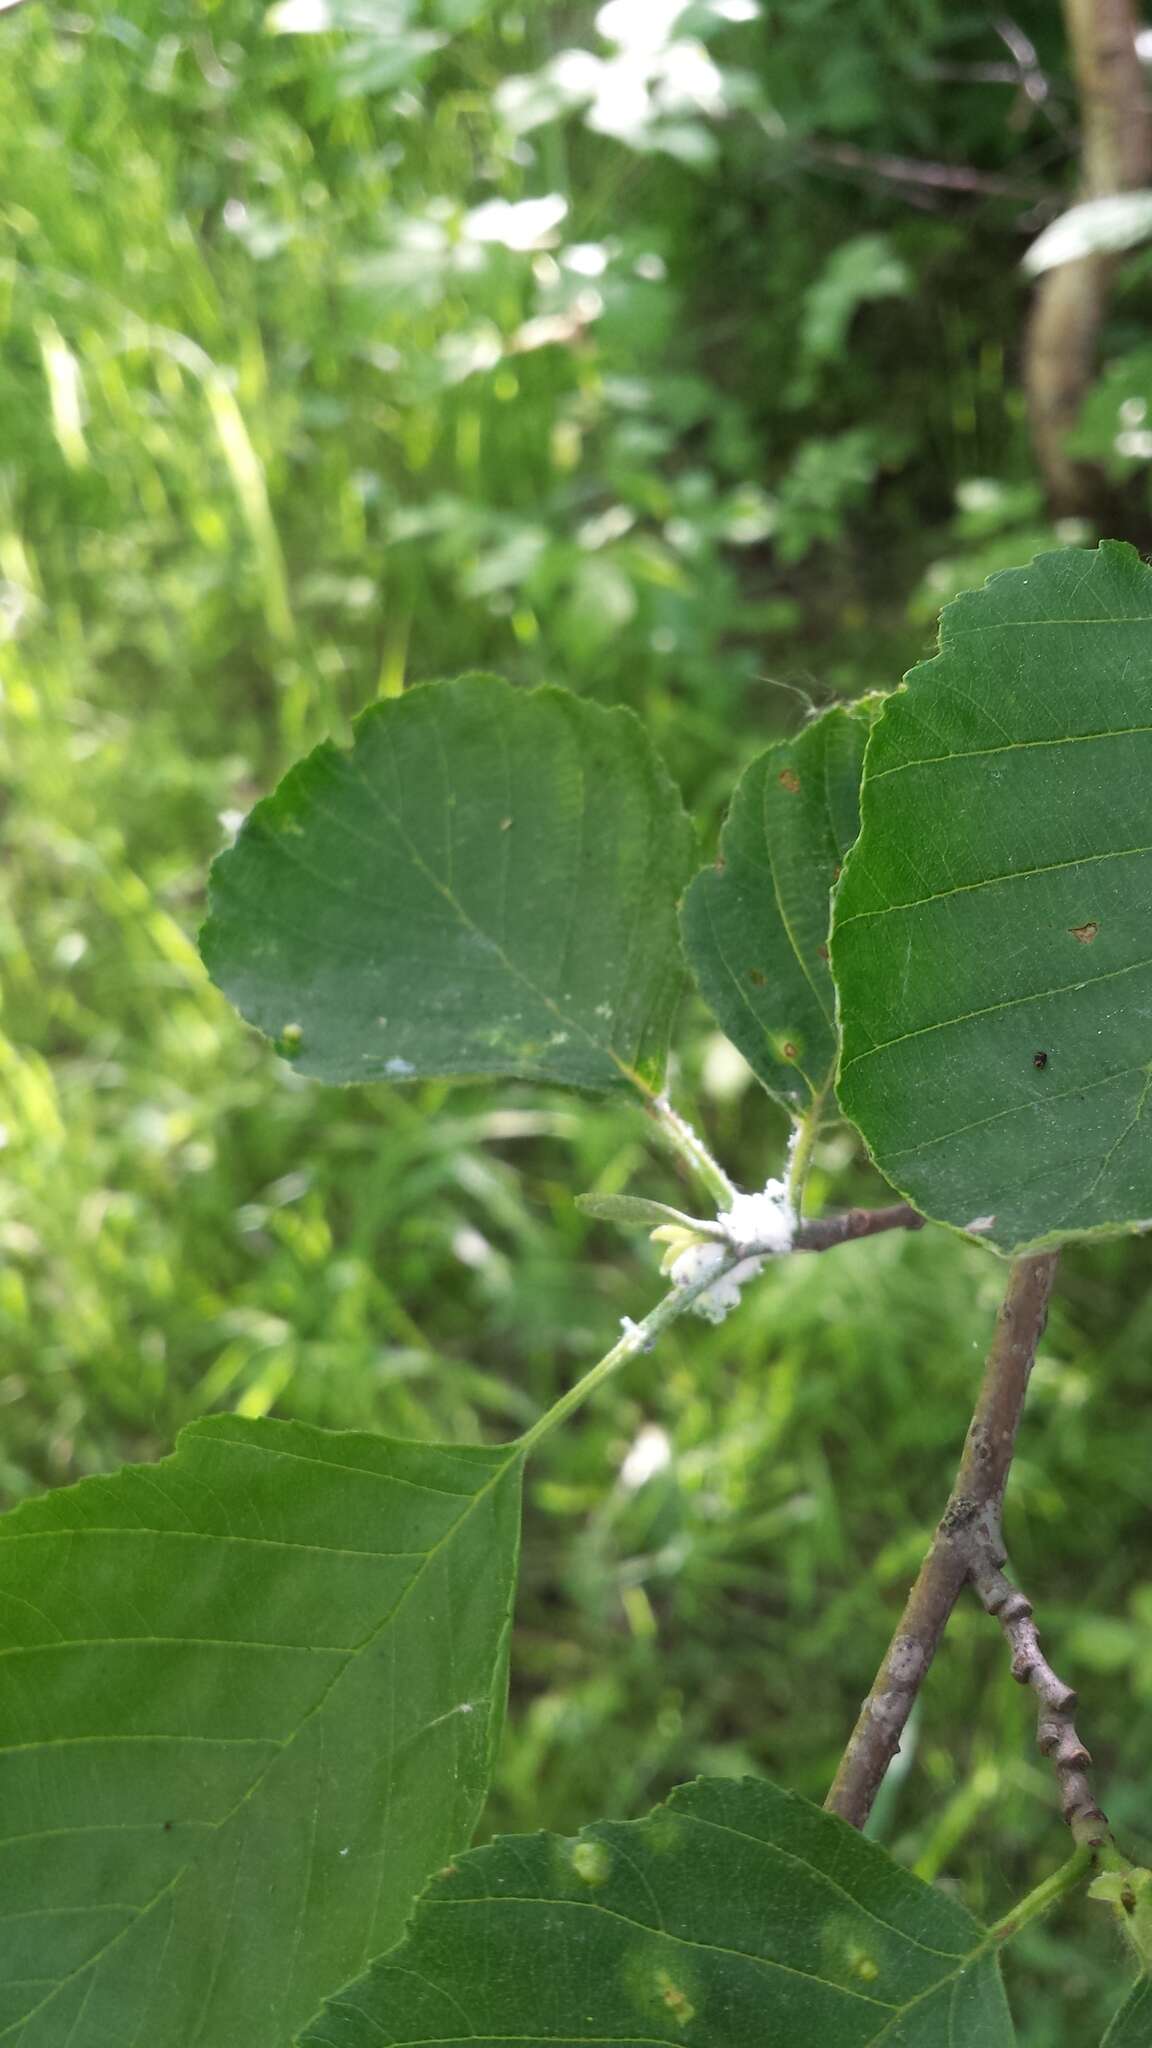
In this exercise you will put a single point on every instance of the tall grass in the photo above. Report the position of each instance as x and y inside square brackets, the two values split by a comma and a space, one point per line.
[283, 426]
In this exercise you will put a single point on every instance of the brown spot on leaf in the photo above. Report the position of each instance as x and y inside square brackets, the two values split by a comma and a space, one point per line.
[788, 779]
[677, 2001]
[757, 978]
[822, 952]
[1084, 932]
[791, 1051]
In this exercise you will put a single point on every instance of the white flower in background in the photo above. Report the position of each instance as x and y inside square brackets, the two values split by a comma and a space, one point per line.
[640, 24]
[519, 224]
[651, 90]
[649, 1454]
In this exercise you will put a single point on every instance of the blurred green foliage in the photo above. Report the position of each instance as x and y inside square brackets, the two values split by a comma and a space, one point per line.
[372, 341]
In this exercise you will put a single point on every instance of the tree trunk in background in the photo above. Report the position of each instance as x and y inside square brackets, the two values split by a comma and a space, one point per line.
[1071, 301]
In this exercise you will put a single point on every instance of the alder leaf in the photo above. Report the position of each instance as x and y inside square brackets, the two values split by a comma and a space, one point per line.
[756, 925]
[1132, 2026]
[733, 1917]
[992, 936]
[249, 1702]
[485, 883]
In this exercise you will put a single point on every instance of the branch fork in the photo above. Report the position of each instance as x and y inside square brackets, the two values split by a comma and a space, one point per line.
[968, 1549]
[708, 1259]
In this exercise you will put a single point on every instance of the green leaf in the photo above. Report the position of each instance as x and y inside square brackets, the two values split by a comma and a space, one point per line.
[249, 1703]
[632, 1209]
[992, 939]
[756, 925]
[486, 883]
[736, 1916]
[1132, 2026]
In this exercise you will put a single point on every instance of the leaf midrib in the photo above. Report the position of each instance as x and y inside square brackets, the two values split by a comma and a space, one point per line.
[785, 919]
[1067, 739]
[562, 1016]
[1039, 995]
[1056, 867]
[792, 1856]
[548, 1905]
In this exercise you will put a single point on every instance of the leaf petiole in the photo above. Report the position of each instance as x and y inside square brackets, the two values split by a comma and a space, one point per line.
[637, 1337]
[801, 1147]
[1045, 1895]
[690, 1147]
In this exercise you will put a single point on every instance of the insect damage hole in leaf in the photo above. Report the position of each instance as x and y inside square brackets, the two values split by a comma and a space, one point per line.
[1012, 771]
[494, 871]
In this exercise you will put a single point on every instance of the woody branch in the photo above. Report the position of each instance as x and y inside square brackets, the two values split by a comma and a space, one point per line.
[968, 1548]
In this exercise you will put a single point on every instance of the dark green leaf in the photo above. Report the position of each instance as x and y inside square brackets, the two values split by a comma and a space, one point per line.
[485, 884]
[756, 925]
[992, 939]
[249, 1703]
[736, 1916]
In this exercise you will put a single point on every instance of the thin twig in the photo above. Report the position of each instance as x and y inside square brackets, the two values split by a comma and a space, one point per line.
[922, 171]
[969, 74]
[1055, 1725]
[1033, 82]
[969, 1525]
[1046, 1895]
[820, 1235]
[823, 1233]
[637, 1337]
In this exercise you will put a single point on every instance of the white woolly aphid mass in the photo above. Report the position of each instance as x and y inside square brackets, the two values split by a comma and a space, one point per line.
[761, 1226]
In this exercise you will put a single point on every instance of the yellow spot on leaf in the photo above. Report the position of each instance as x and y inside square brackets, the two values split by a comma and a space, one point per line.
[677, 2001]
[592, 1861]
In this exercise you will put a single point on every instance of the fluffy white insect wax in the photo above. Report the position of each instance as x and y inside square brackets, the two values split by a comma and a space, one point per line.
[763, 1222]
[760, 1226]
